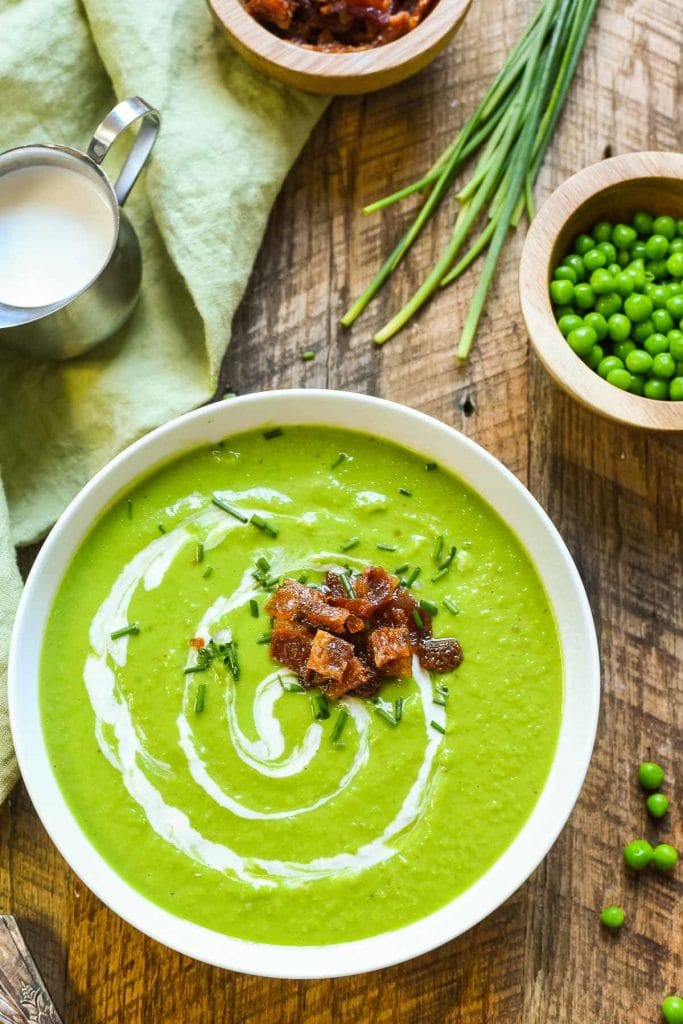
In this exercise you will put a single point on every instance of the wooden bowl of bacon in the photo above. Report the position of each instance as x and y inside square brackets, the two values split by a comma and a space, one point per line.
[339, 46]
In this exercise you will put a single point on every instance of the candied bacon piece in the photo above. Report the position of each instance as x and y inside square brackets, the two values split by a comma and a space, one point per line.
[287, 600]
[389, 644]
[329, 656]
[439, 655]
[276, 12]
[298, 603]
[376, 586]
[290, 644]
[357, 674]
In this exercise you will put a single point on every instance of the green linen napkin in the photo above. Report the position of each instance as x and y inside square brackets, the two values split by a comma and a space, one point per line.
[229, 136]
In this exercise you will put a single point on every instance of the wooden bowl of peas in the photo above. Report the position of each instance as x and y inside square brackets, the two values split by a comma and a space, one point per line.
[601, 286]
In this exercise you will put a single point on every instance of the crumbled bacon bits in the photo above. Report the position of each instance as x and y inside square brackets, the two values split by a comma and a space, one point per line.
[342, 644]
[339, 24]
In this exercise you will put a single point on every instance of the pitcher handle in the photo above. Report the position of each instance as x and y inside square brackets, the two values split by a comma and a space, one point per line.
[124, 114]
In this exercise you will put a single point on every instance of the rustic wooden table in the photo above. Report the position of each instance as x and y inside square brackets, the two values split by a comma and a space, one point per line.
[614, 495]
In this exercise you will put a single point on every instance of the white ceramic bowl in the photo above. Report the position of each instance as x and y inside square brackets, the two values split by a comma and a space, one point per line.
[553, 564]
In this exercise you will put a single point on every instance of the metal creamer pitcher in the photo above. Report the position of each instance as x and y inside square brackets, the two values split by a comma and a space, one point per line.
[106, 289]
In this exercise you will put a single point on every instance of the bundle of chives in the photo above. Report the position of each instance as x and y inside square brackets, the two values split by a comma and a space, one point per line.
[510, 130]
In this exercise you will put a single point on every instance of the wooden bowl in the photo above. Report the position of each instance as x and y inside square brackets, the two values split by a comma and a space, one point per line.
[339, 73]
[611, 190]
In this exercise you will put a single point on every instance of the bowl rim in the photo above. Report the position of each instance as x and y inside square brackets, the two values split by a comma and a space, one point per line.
[308, 62]
[565, 367]
[512, 502]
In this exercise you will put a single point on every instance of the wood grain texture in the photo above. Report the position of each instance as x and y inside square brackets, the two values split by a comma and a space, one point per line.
[346, 73]
[614, 493]
[614, 190]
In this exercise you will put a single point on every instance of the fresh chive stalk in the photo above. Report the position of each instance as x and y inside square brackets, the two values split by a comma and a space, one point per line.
[347, 585]
[509, 132]
[262, 524]
[161, 528]
[268, 435]
[450, 606]
[200, 698]
[207, 572]
[429, 606]
[199, 553]
[413, 576]
[387, 547]
[253, 607]
[265, 638]
[129, 507]
[199, 667]
[132, 630]
[398, 708]
[438, 548]
[417, 619]
[338, 727]
[235, 513]
[405, 492]
[319, 706]
[230, 660]
[350, 544]
[341, 457]
[384, 713]
[290, 687]
[438, 727]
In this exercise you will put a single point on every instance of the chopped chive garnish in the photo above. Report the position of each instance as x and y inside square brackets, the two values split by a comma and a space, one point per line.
[319, 706]
[262, 524]
[263, 564]
[195, 668]
[342, 457]
[307, 356]
[131, 630]
[382, 712]
[235, 513]
[451, 555]
[268, 435]
[439, 575]
[199, 553]
[413, 576]
[265, 639]
[347, 585]
[161, 528]
[442, 689]
[401, 568]
[438, 548]
[350, 544]
[230, 659]
[303, 578]
[438, 727]
[253, 607]
[429, 606]
[386, 547]
[207, 572]
[398, 708]
[447, 603]
[338, 727]
[429, 466]
[438, 698]
[130, 508]
[405, 491]
[199, 698]
[417, 619]
[290, 687]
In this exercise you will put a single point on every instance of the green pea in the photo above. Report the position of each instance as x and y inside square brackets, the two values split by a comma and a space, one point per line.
[602, 231]
[637, 385]
[608, 364]
[640, 332]
[595, 356]
[675, 339]
[623, 349]
[676, 245]
[638, 308]
[657, 269]
[598, 323]
[623, 257]
[656, 247]
[657, 805]
[608, 251]
[676, 389]
[655, 344]
[618, 327]
[656, 389]
[561, 311]
[593, 259]
[679, 369]
[620, 379]
[659, 294]
[674, 264]
[662, 320]
[675, 287]
[664, 366]
[638, 361]
[664, 226]
[650, 775]
[672, 1010]
[674, 304]
[636, 269]
[613, 917]
[679, 227]
[623, 236]
[624, 284]
[613, 269]
[642, 222]
[608, 304]
[638, 854]
[584, 296]
[583, 244]
[576, 264]
[664, 857]
[602, 282]
[582, 340]
[568, 322]
[638, 251]
[563, 273]
[562, 292]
